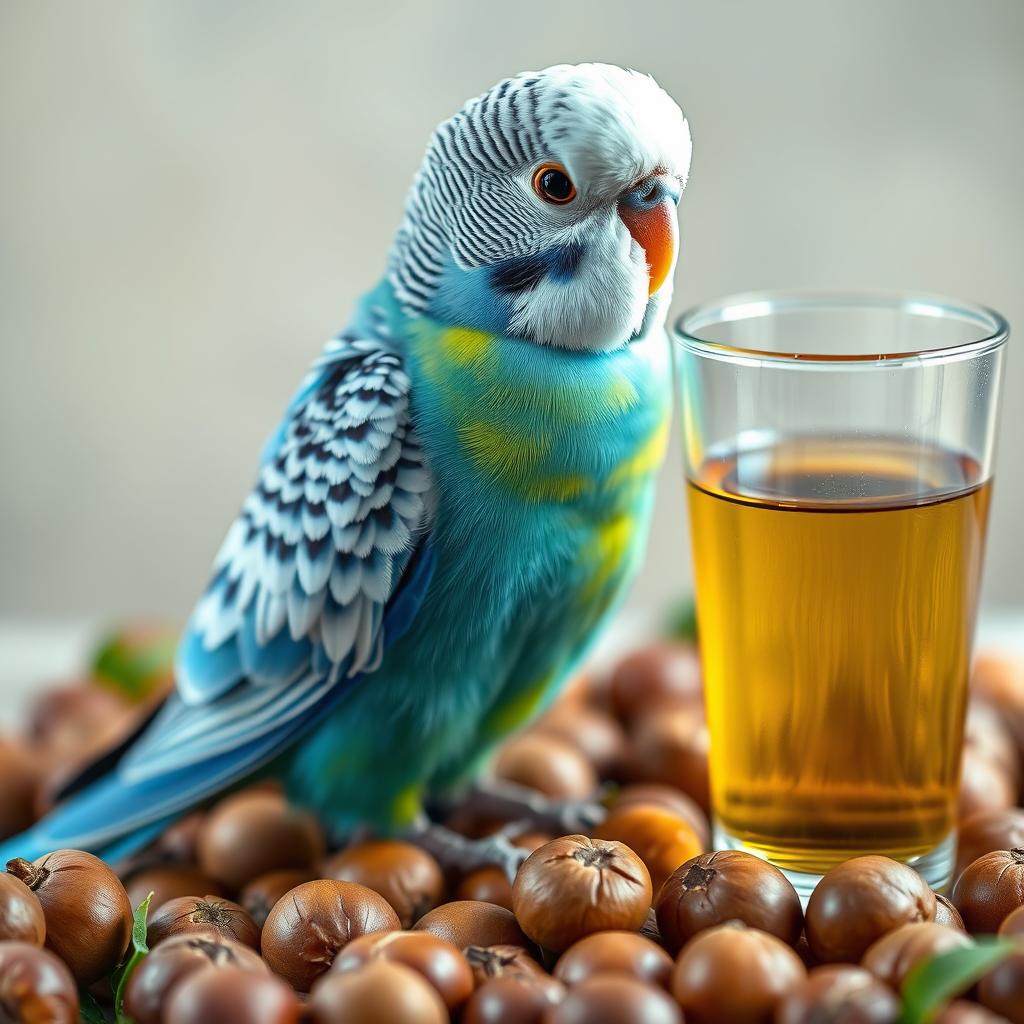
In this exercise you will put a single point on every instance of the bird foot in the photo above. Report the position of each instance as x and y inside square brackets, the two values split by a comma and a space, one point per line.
[464, 855]
[528, 810]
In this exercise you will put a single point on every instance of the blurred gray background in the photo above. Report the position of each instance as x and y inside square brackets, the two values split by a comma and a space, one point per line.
[193, 193]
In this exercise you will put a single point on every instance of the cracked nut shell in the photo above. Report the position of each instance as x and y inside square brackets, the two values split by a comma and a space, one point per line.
[306, 931]
[574, 886]
[202, 914]
[488, 962]
[990, 889]
[728, 885]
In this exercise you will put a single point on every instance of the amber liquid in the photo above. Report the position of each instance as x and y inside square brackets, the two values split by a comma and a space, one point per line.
[837, 584]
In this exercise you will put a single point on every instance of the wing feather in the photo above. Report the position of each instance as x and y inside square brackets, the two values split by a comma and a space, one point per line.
[302, 582]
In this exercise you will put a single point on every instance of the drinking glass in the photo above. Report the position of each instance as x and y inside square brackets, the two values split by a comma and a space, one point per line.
[839, 465]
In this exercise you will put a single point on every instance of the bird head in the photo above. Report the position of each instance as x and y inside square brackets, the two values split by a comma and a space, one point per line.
[546, 209]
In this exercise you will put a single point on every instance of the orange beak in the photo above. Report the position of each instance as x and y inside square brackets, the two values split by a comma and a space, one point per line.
[655, 231]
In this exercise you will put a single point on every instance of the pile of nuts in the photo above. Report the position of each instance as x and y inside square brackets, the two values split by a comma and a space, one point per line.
[254, 920]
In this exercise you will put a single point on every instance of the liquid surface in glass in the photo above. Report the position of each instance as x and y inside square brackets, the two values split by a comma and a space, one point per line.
[837, 583]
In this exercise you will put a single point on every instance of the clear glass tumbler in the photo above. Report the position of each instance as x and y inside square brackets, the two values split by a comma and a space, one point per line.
[839, 462]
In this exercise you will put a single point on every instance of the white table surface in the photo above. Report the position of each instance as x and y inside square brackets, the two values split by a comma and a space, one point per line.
[33, 654]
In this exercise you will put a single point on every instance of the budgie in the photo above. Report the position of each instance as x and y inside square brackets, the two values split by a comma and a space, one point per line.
[459, 492]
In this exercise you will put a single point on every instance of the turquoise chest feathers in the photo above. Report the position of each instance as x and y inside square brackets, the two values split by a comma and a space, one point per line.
[544, 460]
[543, 463]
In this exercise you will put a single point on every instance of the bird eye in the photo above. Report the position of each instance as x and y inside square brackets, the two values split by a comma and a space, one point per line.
[553, 185]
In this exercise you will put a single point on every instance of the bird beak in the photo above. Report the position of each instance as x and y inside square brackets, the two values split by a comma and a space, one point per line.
[649, 212]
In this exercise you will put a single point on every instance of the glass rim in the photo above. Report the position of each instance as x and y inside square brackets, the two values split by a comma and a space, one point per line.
[993, 327]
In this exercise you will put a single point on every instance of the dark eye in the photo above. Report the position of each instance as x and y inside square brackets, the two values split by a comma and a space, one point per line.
[553, 185]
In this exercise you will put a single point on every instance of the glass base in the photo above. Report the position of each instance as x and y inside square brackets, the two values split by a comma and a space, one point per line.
[935, 866]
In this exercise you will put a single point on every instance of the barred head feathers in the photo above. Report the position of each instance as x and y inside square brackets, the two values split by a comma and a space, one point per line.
[479, 246]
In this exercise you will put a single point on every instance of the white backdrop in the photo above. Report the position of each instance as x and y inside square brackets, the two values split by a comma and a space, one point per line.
[192, 194]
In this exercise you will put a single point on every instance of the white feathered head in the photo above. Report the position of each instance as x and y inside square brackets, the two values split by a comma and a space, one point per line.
[546, 209]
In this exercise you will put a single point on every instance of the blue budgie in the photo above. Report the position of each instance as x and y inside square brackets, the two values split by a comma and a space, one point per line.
[457, 497]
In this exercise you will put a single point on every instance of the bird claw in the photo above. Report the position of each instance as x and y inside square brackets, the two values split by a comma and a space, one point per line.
[462, 854]
[571, 817]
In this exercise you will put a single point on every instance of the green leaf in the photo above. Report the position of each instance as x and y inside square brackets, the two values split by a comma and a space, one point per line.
[133, 662]
[933, 984]
[138, 951]
[90, 1011]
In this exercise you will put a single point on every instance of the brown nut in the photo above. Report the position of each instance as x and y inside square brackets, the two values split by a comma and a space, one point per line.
[671, 799]
[946, 914]
[839, 994]
[168, 883]
[68, 720]
[892, 957]
[990, 889]
[513, 999]
[671, 747]
[987, 734]
[488, 885]
[655, 677]
[408, 877]
[260, 896]
[88, 916]
[1002, 989]
[254, 832]
[593, 732]
[488, 962]
[177, 844]
[549, 765]
[734, 973]
[984, 785]
[21, 772]
[306, 931]
[659, 837]
[1013, 924]
[727, 886]
[439, 962]
[614, 999]
[988, 831]
[999, 678]
[35, 986]
[617, 953]
[173, 960]
[231, 995]
[381, 992]
[472, 923]
[574, 886]
[202, 914]
[962, 1012]
[860, 900]
[21, 913]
